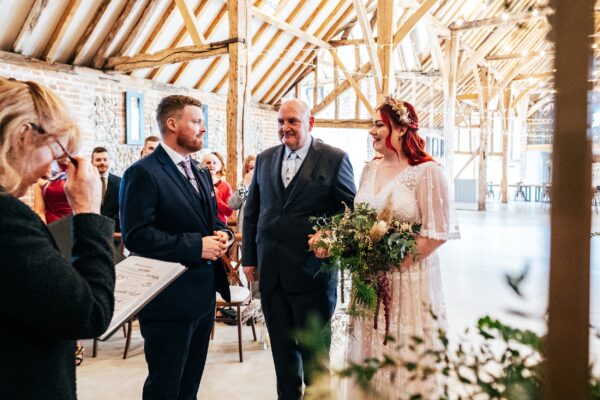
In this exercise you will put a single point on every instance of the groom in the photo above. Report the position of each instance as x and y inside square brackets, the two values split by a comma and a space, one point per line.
[298, 179]
[169, 212]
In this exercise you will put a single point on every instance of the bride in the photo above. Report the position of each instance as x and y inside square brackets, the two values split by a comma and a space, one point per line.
[408, 178]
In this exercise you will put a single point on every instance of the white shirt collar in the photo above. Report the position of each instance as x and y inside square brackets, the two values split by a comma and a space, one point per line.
[104, 175]
[173, 155]
[301, 152]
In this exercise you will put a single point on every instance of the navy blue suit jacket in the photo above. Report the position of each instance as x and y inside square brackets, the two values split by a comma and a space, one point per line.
[164, 217]
[277, 225]
[110, 203]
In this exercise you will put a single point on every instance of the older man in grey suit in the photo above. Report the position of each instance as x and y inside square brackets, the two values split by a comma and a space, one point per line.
[293, 181]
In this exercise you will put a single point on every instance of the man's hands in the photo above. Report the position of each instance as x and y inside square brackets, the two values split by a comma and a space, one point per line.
[251, 273]
[214, 246]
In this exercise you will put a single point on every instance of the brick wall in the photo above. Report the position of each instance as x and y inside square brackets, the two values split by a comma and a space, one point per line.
[97, 102]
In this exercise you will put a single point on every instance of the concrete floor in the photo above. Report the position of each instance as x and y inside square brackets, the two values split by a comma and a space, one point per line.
[502, 240]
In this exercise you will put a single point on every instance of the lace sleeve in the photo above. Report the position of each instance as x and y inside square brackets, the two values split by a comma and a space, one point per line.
[367, 170]
[437, 213]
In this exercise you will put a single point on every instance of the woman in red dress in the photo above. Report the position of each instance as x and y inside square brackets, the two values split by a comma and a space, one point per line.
[49, 198]
[214, 161]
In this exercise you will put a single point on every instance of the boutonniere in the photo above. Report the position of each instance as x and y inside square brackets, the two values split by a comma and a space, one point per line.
[201, 167]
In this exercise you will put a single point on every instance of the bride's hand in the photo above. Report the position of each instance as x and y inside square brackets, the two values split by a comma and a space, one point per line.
[313, 239]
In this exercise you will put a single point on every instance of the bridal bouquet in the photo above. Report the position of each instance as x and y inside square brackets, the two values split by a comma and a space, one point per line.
[366, 244]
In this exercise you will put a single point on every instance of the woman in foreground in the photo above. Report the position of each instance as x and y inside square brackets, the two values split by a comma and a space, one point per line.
[46, 301]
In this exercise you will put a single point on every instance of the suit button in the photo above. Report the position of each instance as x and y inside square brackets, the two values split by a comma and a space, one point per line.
[209, 262]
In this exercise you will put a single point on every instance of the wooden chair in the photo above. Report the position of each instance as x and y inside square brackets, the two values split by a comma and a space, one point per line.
[127, 329]
[240, 296]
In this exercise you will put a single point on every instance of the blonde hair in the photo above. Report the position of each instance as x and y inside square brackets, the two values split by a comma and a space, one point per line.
[223, 171]
[246, 164]
[23, 103]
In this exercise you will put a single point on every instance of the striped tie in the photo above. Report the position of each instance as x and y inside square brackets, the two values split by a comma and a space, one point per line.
[187, 168]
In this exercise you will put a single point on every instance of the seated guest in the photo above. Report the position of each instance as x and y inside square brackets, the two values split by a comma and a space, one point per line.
[110, 185]
[47, 301]
[49, 197]
[215, 163]
[150, 144]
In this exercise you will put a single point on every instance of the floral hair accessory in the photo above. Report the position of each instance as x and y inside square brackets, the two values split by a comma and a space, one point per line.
[399, 108]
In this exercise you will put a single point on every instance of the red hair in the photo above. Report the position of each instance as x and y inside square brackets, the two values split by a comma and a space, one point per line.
[413, 145]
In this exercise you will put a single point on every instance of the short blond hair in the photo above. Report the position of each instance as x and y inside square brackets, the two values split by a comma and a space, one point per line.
[22, 103]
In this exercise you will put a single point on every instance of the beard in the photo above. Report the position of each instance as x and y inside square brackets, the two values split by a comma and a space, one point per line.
[191, 144]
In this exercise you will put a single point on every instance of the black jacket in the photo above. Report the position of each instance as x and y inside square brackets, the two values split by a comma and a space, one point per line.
[164, 217]
[276, 219]
[110, 203]
[47, 302]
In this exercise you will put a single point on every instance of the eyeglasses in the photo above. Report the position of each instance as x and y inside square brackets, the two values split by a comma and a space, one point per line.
[42, 131]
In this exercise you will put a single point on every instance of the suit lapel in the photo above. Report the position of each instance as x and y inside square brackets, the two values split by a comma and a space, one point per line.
[276, 164]
[187, 190]
[206, 191]
[303, 176]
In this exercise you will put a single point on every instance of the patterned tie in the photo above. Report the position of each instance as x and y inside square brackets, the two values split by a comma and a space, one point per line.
[187, 168]
[103, 179]
[290, 170]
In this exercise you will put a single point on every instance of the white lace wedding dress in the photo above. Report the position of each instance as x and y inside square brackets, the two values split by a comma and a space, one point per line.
[418, 194]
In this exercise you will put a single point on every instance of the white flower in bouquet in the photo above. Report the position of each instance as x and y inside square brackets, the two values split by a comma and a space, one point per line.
[378, 231]
[406, 227]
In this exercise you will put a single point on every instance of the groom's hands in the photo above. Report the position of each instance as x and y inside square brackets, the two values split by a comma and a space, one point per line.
[214, 246]
[251, 273]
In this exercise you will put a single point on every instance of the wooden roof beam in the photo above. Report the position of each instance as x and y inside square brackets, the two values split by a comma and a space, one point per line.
[365, 26]
[29, 25]
[305, 54]
[213, 25]
[134, 35]
[58, 34]
[272, 42]
[412, 21]
[158, 28]
[169, 56]
[272, 96]
[484, 49]
[385, 32]
[539, 105]
[504, 19]
[299, 6]
[352, 82]
[516, 70]
[341, 88]
[348, 42]
[431, 20]
[180, 37]
[521, 55]
[190, 22]
[100, 58]
[78, 53]
[528, 89]
[343, 123]
[540, 75]
[404, 30]
[307, 37]
[215, 63]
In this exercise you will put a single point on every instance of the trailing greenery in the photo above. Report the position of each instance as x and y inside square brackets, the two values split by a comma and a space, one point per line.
[493, 360]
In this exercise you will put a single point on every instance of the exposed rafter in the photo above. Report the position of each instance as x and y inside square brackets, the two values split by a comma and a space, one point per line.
[59, 31]
[100, 58]
[169, 56]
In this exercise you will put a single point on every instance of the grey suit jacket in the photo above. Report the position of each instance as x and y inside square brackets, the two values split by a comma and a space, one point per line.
[276, 219]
